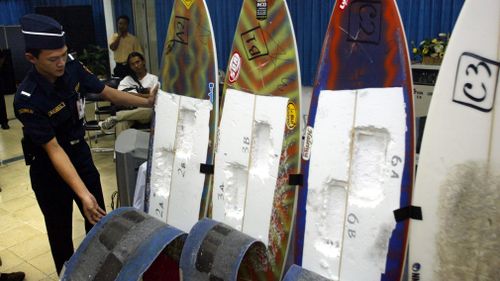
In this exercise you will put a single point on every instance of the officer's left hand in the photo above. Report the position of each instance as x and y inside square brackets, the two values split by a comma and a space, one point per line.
[152, 95]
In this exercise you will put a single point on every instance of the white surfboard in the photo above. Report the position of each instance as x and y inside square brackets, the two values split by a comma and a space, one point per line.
[458, 177]
[247, 158]
[180, 141]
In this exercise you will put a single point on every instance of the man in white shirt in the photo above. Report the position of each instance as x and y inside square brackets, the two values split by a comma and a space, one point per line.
[139, 83]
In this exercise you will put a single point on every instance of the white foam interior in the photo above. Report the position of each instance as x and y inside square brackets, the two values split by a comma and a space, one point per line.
[166, 113]
[236, 176]
[232, 158]
[247, 160]
[267, 141]
[180, 145]
[354, 182]
[192, 139]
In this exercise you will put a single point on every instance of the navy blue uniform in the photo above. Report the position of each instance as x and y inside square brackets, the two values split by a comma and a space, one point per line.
[46, 111]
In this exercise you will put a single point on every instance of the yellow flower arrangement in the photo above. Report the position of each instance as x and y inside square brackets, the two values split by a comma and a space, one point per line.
[431, 48]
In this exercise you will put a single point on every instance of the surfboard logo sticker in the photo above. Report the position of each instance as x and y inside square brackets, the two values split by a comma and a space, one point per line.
[211, 87]
[291, 117]
[476, 82]
[187, 3]
[343, 4]
[255, 43]
[415, 274]
[306, 150]
[234, 67]
[261, 10]
[365, 21]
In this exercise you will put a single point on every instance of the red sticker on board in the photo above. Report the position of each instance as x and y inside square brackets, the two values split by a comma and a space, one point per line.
[343, 4]
[234, 67]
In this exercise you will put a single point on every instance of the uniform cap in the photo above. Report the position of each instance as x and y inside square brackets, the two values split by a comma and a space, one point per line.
[42, 32]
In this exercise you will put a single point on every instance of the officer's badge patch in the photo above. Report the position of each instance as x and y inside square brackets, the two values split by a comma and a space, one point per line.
[57, 109]
[25, 110]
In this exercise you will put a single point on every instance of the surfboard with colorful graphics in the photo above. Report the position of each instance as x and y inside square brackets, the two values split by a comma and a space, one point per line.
[458, 179]
[186, 113]
[259, 133]
[358, 152]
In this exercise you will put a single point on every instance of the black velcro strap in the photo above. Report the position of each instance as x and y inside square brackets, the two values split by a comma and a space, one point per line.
[409, 212]
[296, 179]
[207, 169]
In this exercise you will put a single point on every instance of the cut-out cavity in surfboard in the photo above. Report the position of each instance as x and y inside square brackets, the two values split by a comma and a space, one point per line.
[247, 170]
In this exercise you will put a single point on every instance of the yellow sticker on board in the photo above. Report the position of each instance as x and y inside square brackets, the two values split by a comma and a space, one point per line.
[187, 3]
[291, 116]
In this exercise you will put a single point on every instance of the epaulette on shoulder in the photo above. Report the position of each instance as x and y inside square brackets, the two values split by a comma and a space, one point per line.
[72, 60]
[26, 89]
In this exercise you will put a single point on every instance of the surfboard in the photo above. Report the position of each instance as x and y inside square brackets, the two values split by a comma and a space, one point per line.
[259, 133]
[458, 179]
[185, 119]
[357, 159]
[215, 251]
[122, 246]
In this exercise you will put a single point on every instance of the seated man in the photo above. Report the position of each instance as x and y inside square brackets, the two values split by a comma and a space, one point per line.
[139, 83]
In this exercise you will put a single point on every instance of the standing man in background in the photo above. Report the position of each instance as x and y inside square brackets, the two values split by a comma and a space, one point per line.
[122, 44]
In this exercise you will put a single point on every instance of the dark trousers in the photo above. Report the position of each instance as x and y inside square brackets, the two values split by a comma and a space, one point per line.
[3, 110]
[121, 70]
[55, 199]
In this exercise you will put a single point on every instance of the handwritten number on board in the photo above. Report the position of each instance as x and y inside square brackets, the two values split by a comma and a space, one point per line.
[352, 219]
[220, 194]
[246, 145]
[367, 15]
[394, 162]
[468, 87]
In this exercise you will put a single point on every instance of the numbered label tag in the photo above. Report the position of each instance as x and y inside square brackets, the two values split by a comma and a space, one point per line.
[476, 82]
[365, 21]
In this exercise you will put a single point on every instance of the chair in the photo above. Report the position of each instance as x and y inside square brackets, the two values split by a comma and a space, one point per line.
[93, 125]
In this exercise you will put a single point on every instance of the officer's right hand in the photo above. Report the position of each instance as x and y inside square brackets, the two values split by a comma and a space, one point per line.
[91, 209]
[152, 95]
